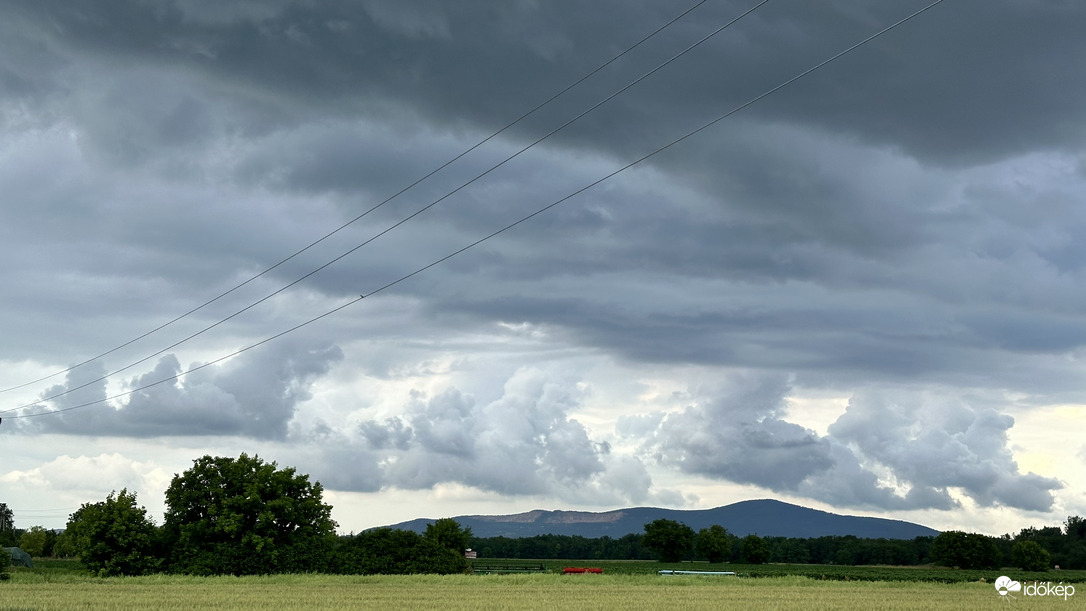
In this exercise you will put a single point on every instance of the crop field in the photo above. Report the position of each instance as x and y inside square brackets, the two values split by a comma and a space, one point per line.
[639, 587]
[825, 572]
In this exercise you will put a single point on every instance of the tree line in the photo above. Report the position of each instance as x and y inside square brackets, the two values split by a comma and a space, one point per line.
[243, 516]
[670, 541]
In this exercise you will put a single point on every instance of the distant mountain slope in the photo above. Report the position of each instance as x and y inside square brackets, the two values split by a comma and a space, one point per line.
[765, 517]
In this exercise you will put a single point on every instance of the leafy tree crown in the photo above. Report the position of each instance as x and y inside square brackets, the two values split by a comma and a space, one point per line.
[243, 515]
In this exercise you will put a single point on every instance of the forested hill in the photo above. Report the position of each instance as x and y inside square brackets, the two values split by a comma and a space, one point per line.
[767, 518]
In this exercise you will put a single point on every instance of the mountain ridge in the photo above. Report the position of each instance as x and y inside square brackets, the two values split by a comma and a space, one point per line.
[764, 517]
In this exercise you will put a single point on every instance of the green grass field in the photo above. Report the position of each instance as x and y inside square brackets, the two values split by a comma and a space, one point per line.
[632, 585]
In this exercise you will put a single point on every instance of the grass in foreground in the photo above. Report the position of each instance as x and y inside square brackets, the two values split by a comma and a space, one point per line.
[543, 591]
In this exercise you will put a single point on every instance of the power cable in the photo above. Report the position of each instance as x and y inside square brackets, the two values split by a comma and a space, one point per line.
[608, 176]
[367, 212]
[409, 217]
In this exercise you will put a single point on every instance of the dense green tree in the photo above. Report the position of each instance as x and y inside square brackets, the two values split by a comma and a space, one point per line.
[714, 543]
[822, 550]
[114, 537]
[848, 551]
[389, 551]
[50, 543]
[245, 516]
[949, 547]
[7, 518]
[1073, 554]
[631, 547]
[984, 554]
[447, 532]
[1030, 556]
[1075, 528]
[64, 547]
[1067, 545]
[965, 550]
[671, 540]
[7, 527]
[789, 550]
[34, 540]
[539, 547]
[1048, 536]
[922, 546]
[755, 550]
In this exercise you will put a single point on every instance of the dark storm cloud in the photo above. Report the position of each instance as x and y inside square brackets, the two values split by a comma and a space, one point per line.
[907, 216]
[921, 273]
[81, 385]
[968, 80]
[164, 81]
[252, 395]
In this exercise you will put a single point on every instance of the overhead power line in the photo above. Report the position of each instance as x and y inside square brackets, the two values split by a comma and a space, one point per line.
[408, 218]
[414, 184]
[516, 223]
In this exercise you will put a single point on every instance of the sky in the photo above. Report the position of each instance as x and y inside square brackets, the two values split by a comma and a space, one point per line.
[862, 292]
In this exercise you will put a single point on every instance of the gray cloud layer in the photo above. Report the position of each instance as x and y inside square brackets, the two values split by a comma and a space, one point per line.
[902, 224]
[254, 395]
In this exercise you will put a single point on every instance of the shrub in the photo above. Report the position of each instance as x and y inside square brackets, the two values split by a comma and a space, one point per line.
[114, 537]
[34, 541]
[1030, 556]
[387, 551]
[965, 550]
